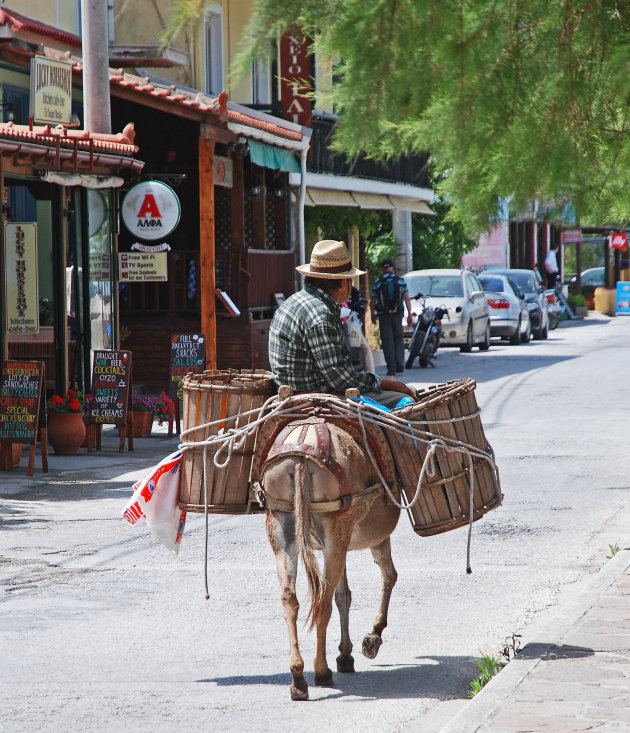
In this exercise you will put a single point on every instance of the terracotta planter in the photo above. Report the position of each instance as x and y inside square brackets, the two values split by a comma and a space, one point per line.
[10, 455]
[142, 421]
[66, 432]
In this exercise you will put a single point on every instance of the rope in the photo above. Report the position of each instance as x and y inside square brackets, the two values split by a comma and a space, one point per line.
[226, 441]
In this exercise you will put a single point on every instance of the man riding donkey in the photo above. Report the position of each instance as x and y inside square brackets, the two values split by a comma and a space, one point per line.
[317, 467]
[306, 347]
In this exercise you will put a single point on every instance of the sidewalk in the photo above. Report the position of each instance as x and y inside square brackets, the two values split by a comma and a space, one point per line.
[103, 465]
[573, 674]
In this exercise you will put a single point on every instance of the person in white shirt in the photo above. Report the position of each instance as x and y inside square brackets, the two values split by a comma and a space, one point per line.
[551, 265]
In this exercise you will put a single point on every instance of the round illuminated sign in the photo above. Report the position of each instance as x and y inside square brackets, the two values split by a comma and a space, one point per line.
[151, 210]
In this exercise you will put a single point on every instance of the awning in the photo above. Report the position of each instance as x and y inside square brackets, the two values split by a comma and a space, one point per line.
[415, 206]
[322, 197]
[373, 201]
[269, 157]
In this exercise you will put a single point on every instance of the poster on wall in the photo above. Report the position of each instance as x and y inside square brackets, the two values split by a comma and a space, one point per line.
[142, 267]
[20, 277]
[622, 302]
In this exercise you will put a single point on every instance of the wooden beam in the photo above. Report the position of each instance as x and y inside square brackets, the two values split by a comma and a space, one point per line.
[241, 278]
[206, 249]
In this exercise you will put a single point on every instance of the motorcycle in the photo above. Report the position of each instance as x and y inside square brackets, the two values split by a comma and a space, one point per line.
[427, 334]
[554, 308]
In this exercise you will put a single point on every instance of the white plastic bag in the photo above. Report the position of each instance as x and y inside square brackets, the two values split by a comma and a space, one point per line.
[354, 330]
[155, 497]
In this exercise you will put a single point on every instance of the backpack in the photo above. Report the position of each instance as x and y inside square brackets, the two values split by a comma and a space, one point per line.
[389, 295]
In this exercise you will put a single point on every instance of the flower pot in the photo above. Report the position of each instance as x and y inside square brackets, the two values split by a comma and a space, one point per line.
[66, 432]
[10, 455]
[142, 422]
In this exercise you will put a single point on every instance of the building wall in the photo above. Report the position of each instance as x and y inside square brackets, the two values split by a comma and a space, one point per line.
[62, 14]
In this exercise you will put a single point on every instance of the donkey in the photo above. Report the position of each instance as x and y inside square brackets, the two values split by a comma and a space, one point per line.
[322, 493]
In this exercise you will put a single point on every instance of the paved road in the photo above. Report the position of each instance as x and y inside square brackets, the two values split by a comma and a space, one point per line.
[103, 630]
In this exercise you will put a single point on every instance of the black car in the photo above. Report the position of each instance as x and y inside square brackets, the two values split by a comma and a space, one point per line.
[534, 290]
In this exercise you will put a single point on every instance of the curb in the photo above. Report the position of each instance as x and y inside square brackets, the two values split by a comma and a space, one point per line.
[502, 687]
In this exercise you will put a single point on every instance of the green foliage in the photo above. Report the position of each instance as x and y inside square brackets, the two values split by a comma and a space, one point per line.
[381, 247]
[439, 241]
[515, 100]
[336, 221]
[614, 549]
[489, 666]
[576, 301]
[183, 14]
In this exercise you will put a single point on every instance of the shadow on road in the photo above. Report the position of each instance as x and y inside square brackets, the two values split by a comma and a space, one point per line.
[425, 680]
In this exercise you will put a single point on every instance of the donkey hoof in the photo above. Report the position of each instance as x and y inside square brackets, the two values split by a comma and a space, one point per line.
[371, 645]
[324, 680]
[345, 663]
[299, 690]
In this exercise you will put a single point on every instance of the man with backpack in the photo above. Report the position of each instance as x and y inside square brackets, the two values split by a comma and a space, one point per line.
[386, 301]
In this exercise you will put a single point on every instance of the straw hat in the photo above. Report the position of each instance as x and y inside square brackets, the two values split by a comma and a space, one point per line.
[330, 260]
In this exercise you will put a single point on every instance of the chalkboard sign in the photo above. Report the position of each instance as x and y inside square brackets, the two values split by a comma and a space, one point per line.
[20, 396]
[111, 380]
[188, 354]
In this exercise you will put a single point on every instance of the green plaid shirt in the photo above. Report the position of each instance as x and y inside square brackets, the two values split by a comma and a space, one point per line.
[306, 348]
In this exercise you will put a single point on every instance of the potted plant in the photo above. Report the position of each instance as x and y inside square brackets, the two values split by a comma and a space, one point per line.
[142, 407]
[163, 408]
[66, 429]
[578, 305]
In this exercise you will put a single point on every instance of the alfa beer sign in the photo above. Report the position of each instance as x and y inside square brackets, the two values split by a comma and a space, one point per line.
[151, 210]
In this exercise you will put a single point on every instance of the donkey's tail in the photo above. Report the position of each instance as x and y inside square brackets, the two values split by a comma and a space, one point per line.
[316, 582]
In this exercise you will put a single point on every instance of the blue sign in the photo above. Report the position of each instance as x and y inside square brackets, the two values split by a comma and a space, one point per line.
[622, 304]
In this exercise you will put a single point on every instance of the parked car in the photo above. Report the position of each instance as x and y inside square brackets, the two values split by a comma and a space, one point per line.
[509, 313]
[534, 290]
[594, 276]
[467, 322]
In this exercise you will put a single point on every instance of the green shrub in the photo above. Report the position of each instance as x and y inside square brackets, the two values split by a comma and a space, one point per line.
[577, 301]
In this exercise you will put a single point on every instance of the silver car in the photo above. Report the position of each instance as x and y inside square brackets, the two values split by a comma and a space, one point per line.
[468, 321]
[509, 314]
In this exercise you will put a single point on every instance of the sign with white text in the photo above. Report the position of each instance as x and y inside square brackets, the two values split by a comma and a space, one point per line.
[20, 277]
[142, 267]
[188, 354]
[151, 210]
[51, 91]
[111, 379]
[295, 78]
[618, 240]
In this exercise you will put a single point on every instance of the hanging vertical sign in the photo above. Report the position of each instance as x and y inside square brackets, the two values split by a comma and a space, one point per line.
[295, 78]
[20, 277]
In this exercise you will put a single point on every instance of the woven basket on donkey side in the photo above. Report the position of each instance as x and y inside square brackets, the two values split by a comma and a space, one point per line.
[447, 412]
[225, 399]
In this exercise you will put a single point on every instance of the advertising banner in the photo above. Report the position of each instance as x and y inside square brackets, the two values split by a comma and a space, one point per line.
[622, 302]
[20, 277]
[142, 267]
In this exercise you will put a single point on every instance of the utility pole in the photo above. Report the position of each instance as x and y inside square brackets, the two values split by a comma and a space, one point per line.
[96, 104]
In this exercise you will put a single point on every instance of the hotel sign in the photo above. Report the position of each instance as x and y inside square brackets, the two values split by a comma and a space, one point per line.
[295, 78]
[51, 91]
[20, 277]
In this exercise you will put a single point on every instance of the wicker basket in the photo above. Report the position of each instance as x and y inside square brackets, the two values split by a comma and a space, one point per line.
[221, 398]
[444, 500]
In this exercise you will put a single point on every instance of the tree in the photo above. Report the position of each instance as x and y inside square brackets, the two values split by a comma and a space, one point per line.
[514, 99]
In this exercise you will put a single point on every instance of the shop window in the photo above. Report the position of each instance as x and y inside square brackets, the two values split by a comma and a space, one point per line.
[214, 50]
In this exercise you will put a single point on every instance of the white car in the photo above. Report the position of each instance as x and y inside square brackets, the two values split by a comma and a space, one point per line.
[468, 321]
[509, 313]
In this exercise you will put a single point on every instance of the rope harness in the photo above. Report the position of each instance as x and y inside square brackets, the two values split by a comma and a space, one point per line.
[321, 406]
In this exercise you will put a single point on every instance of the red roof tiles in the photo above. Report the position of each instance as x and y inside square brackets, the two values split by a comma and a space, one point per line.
[19, 22]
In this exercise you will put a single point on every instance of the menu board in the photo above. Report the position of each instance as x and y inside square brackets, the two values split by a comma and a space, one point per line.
[20, 396]
[111, 379]
[188, 354]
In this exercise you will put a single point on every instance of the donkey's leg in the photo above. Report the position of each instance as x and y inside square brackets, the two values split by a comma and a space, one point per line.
[343, 599]
[335, 547]
[280, 531]
[383, 557]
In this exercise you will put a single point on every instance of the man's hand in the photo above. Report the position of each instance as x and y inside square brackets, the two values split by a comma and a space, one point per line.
[395, 385]
[410, 320]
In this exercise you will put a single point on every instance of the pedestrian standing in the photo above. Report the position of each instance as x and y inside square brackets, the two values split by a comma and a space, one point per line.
[551, 265]
[389, 292]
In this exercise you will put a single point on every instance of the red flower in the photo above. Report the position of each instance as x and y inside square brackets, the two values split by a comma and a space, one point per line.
[74, 404]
